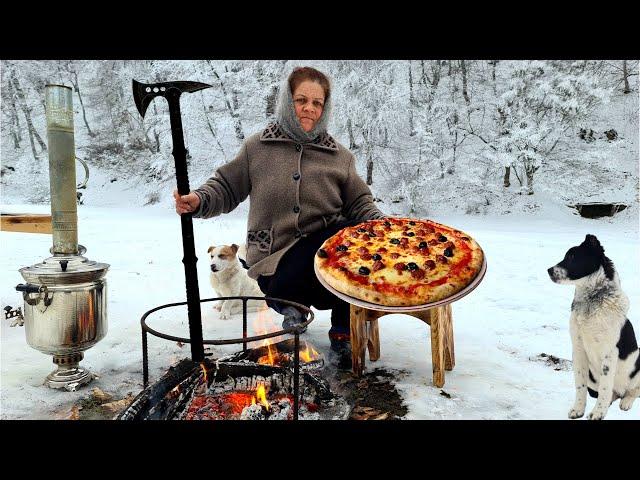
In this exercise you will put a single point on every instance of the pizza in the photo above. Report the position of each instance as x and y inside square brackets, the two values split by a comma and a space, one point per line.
[399, 261]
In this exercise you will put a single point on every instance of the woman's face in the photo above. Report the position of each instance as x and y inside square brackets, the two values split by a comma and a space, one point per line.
[308, 99]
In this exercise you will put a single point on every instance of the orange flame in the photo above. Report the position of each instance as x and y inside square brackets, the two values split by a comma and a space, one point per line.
[261, 395]
[265, 324]
[270, 357]
[309, 353]
[204, 371]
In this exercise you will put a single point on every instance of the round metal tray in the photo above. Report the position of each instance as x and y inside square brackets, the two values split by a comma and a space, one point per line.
[411, 308]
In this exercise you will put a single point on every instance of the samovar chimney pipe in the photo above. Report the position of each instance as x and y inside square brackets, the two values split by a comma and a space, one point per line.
[62, 169]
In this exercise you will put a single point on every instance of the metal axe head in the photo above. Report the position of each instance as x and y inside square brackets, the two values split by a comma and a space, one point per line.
[144, 93]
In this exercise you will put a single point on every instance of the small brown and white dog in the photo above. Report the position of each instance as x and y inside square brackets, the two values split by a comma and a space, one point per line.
[229, 279]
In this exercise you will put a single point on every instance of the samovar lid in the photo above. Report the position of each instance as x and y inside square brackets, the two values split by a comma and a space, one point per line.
[63, 269]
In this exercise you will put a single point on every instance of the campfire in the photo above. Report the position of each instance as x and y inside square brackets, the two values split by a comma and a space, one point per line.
[235, 390]
[278, 380]
[251, 398]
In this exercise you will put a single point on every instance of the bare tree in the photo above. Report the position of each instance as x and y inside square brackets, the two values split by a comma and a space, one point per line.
[453, 121]
[9, 97]
[625, 76]
[463, 70]
[616, 70]
[156, 132]
[507, 172]
[26, 111]
[436, 68]
[210, 126]
[72, 69]
[494, 66]
[352, 141]
[412, 103]
[272, 98]
[231, 105]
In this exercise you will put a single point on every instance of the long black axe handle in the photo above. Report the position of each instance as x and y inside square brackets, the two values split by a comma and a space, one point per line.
[143, 95]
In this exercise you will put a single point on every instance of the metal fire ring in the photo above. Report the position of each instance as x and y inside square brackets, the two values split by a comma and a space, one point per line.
[244, 339]
[296, 331]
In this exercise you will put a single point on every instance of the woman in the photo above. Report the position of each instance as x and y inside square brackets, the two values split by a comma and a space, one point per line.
[303, 188]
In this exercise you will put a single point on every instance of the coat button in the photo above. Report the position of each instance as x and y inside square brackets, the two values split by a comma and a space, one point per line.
[296, 176]
[296, 209]
[298, 147]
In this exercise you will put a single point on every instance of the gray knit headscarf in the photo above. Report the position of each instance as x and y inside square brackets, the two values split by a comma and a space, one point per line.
[286, 117]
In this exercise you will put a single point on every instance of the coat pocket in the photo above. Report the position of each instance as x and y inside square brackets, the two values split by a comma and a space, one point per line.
[262, 240]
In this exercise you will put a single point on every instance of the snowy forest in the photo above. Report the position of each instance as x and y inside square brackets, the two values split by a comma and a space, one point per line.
[468, 136]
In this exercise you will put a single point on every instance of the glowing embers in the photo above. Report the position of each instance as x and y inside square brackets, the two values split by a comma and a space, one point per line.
[244, 405]
[254, 397]
[257, 384]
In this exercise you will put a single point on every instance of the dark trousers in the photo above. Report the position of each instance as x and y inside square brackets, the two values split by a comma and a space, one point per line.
[296, 281]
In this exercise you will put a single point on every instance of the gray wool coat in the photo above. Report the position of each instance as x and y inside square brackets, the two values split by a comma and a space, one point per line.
[295, 189]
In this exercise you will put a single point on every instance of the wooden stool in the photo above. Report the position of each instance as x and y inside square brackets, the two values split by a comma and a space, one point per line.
[364, 334]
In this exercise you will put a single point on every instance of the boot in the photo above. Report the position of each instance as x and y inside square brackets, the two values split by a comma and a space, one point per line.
[340, 350]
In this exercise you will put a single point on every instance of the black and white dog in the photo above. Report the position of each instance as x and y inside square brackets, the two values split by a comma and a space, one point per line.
[606, 360]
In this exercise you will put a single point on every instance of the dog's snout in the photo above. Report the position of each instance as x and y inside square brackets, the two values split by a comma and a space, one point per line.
[550, 271]
[214, 268]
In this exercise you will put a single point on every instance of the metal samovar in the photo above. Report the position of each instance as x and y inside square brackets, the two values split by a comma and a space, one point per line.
[65, 297]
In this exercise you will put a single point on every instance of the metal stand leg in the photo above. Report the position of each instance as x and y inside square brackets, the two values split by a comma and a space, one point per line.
[145, 360]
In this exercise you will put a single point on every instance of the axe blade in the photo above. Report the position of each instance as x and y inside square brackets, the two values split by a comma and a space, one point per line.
[144, 93]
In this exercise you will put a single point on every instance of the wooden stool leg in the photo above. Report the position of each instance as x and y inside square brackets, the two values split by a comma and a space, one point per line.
[449, 351]
[358, 339]
[373, 342]
[437, 345]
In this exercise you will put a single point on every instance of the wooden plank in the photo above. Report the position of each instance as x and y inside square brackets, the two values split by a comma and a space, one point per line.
[449, 350]
[358, 339]
[437, 346]
[26, 223]
[373, 335]
[373, 341]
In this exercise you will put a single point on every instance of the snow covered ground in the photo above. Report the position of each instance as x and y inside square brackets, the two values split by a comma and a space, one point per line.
[514, 315]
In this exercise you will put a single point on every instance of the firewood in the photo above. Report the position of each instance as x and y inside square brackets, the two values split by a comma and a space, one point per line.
[368, 413]
[119, 405]
[101, 396]
[72, 414]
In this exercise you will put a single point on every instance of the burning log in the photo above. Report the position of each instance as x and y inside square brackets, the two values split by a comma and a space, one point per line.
[279, 354]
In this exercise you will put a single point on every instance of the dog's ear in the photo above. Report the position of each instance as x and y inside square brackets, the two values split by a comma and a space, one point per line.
[591, 239]
[234, 247]
[210, 248]
[593, 242]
